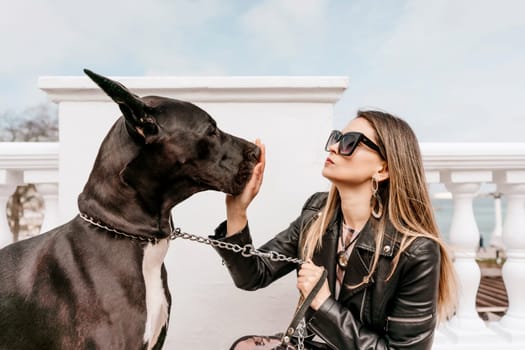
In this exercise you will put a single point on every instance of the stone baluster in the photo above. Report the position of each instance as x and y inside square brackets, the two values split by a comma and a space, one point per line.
[513, 187]
[496, 239]
[9, 179]
[464, 239]
[6, 237]
[49, 192]
[47, 186]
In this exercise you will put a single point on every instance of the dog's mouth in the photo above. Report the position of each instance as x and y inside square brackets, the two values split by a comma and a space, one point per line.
[235, 183]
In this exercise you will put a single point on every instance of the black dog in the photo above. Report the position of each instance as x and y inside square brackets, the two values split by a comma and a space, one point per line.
[99, 282]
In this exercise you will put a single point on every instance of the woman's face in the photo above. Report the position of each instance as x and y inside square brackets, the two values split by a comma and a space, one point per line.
[358, 168]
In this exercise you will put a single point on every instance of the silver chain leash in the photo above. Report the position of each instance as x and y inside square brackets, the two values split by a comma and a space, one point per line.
[246, 250]
[300, 334]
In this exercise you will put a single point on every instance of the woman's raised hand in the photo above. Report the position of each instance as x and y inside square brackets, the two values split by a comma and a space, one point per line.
[236, 206]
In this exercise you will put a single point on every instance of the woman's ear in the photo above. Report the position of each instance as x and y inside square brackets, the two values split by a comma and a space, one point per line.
[382, 173]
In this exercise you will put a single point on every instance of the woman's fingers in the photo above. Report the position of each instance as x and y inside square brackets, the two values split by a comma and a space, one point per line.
[253, 185]
[236, 206]
[307, 278]
[258, 170]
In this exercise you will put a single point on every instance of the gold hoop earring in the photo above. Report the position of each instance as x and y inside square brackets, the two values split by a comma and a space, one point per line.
[377, 204]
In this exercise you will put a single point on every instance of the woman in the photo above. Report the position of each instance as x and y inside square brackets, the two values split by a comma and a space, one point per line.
[390, 277]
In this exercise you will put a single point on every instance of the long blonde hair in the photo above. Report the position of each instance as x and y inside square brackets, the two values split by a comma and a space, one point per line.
[406, 202]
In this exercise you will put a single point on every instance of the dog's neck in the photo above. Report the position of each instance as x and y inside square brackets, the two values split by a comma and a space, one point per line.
[129, 215]
[131, 212]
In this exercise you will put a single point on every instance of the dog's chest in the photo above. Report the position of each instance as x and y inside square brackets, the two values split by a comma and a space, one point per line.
[156, 302]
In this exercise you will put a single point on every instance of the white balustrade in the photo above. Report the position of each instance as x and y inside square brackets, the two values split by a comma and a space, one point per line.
[464, 239]
[28, 162]
[462, 168]
[513, 323]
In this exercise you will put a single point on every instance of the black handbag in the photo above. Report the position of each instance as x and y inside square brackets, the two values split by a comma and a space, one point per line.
[293, 338]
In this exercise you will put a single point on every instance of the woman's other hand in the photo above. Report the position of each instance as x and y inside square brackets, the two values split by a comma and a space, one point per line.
[236, 206]
[308, 276]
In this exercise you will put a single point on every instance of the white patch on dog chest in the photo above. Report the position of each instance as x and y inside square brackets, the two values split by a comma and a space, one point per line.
[156, 303]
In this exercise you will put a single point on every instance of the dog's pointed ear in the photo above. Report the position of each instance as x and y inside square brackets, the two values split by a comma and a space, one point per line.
[132, 107]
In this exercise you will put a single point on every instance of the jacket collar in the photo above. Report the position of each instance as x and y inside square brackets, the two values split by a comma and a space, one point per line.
[367, 242]
[361, 258]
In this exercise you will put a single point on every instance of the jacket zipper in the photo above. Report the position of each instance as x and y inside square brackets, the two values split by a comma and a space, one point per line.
[407, 319]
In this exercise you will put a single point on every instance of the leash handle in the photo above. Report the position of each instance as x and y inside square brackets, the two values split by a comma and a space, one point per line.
[301, 310]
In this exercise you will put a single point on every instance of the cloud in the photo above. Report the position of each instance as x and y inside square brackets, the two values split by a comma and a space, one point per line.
[61, 37]
[110, 31]
[32, 36]
[448, 31]
[284, 27]
[452, 69]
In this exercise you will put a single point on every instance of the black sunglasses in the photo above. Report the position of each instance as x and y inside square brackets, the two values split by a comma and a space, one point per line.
[348, 142]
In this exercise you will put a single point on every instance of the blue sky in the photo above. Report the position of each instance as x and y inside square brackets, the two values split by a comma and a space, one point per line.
[453, 69]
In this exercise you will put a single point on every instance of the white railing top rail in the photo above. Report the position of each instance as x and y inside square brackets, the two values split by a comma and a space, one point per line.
[204, 89]
[436, 156]
[29, 155]
[464, 156]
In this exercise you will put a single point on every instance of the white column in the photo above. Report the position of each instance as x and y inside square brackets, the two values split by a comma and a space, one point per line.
[513, 323]
[464, 238]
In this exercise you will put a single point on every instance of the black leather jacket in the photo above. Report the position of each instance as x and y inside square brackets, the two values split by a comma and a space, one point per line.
[396, 314]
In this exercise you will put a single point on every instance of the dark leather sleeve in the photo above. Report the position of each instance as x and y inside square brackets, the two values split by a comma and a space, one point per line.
[251, 273]
[412, 319]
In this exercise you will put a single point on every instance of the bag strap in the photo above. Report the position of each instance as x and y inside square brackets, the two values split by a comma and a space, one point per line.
[301, 309]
